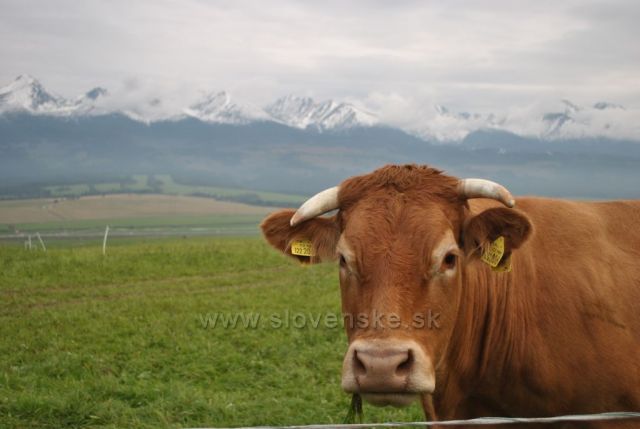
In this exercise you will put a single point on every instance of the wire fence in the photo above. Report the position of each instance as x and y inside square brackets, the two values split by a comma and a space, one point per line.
[470, 422]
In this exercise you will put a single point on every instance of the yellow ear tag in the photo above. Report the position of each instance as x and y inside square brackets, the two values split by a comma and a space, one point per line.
[504, 266]
[494, 252]
[302, 248]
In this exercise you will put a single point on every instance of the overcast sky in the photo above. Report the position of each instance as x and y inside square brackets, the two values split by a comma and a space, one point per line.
[474, 55]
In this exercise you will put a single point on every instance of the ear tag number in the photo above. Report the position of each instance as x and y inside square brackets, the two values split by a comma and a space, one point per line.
[302, 248]
[493, 254]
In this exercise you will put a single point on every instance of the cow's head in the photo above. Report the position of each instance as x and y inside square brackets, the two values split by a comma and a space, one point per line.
[404, 238]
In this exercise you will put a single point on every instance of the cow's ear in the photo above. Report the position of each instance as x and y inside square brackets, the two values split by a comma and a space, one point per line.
[484, 228]
[314, 240]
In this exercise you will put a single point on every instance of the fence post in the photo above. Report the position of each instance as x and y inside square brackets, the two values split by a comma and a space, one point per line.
[41, 242]
[104, 241]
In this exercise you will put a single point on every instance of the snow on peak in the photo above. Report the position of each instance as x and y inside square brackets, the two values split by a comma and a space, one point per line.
[303, 112]
[25, 93]
[219, 108]
[90, 103]
[562, 119]
[603, 119]
[293, 110]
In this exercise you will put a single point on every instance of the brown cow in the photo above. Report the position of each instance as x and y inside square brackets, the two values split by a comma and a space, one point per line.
[427, 318]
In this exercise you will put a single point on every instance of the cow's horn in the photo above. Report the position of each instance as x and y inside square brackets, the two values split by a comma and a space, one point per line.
[320, 203]
[481, 188]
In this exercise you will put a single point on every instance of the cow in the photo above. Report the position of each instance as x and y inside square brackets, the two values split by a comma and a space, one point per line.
[499, 309]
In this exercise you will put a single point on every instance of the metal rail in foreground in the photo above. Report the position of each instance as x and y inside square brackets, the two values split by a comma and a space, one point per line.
[471, 422]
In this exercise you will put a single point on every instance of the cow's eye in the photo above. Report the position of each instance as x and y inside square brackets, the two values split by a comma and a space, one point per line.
[343, 262]
[449, 261]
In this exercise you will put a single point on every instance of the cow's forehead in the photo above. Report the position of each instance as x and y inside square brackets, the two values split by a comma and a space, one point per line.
[397, 223]
[408, 206]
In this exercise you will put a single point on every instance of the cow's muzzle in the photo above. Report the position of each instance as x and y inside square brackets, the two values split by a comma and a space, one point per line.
[387, 372]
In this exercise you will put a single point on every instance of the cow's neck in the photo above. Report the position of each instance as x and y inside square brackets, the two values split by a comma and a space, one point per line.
[487, 352]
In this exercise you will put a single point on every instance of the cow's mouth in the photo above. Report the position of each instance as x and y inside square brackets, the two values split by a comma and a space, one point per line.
[387, 371]
[398, 400]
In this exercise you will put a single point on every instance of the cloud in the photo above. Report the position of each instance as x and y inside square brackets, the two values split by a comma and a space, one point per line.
[403, 57]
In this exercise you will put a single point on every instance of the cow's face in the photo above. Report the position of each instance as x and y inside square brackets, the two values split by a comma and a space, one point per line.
[402, 254]
[400, 283]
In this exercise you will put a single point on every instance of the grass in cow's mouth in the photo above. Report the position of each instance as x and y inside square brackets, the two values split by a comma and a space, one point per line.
[355, 414]
[116, 341]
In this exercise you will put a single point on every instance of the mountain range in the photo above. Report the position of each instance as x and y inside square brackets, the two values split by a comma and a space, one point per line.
[297, 145]
[561, 120]
[27, 95]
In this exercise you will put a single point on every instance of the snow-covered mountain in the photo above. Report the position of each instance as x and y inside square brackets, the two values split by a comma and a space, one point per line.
[558, 120]
[601, 119]
[218, 107]
[303, 112]
[26, 94]
[90, 102]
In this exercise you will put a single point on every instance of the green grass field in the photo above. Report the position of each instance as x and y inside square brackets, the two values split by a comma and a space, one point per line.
[235, 223]
[122, 341]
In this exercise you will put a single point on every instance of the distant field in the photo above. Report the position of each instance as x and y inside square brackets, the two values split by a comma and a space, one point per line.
[129, 212]
[119, 341]
[153, 205]
[118, 206]
[164, 184]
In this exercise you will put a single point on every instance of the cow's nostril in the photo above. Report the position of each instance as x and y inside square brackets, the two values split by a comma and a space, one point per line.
[404, 368]
[358, 365]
